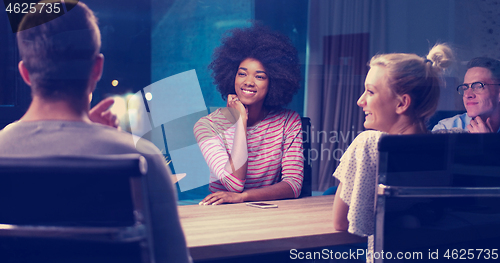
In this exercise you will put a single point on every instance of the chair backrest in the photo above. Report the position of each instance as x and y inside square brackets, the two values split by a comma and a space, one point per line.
[72, 209]
[306, 145]
[437, 192]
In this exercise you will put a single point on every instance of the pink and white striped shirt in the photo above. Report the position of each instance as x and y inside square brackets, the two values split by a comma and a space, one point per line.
[274, 151]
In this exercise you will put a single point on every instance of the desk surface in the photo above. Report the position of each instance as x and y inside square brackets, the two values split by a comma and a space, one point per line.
[238, 230]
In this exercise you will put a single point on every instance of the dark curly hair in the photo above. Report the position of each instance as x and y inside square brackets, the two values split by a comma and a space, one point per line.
[272, 49]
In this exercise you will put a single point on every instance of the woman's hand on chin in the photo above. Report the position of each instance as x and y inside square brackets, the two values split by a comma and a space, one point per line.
[236, 108]
[222, 197]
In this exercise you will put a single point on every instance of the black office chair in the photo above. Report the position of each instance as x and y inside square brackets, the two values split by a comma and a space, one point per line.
[438, 195]
[74, 209]
[306, 145]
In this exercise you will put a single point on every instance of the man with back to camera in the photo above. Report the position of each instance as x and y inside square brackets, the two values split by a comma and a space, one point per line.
[481, 96]
[62, 65]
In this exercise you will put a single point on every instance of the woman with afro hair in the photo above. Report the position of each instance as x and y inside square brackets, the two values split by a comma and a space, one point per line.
[253, 146]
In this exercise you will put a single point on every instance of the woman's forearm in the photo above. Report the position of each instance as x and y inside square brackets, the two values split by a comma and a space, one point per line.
[237, 163]
[281, 190]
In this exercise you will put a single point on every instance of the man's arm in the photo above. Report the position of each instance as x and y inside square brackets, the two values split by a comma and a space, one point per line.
[168, 237]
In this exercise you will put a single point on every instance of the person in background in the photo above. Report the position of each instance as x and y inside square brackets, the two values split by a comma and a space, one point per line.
[62, 64]
[481, 96]
[401, 94]
[253, 146]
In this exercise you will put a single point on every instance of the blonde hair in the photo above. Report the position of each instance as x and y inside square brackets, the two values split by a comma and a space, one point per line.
[419, 77]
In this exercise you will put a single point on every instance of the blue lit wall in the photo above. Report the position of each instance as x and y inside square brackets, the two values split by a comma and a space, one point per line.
[185, 34]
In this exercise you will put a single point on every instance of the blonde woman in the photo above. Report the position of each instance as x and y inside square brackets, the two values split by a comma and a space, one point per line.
[401, 94]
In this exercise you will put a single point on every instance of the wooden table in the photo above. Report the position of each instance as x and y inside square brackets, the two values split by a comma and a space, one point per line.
[239, 230]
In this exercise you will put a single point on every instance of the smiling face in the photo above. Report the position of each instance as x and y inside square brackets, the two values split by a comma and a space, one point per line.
[251, 82]
[378, 101]
[487, 102]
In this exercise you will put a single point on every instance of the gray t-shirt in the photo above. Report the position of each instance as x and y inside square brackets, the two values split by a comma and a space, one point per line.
[79, 138]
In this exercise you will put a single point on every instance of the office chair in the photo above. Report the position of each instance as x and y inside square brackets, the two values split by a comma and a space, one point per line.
[74, 209]
[438, 195]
